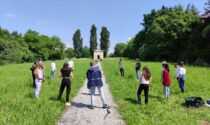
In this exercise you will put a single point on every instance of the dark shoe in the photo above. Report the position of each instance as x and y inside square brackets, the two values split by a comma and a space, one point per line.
[105, 106]
[90, 107]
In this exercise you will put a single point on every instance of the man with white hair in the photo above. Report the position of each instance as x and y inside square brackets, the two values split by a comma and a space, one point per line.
[71, 64]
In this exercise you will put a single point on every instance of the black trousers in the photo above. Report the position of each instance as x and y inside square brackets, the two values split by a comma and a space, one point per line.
[144, 87]
[34, 77]
[122, 72]
[65, 83]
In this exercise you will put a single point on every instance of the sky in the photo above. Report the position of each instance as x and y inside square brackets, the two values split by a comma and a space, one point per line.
[62, 18]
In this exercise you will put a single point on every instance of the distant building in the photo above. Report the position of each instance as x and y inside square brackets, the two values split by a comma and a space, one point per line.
[98, 54]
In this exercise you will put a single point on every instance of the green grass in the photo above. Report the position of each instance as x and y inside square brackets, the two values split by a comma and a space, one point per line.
[158, 111]
[17, 103]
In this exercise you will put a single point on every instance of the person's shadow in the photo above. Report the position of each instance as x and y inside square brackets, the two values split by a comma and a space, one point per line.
[79, 105]
[131, 100]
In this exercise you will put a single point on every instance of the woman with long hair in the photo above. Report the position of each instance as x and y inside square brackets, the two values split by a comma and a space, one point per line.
[166, 81]
[66, 74]
[38, 78]
[145, 79]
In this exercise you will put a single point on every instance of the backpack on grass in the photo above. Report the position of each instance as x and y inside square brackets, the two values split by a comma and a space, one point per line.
[194, 102]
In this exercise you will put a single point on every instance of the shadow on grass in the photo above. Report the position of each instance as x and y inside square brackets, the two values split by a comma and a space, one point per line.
[155, 97]
[131, 100]
[54, 98]
[30, 95]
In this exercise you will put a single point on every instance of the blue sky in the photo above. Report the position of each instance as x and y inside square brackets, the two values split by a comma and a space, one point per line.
[63, 17]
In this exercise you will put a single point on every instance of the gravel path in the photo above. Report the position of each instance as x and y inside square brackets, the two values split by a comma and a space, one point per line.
[80, 114]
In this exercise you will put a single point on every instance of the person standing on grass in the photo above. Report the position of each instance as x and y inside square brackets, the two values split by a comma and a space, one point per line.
[176, 65]
[145, 79]
[121, 64]
[66, 74]
[94, 78]
[33, 67]
[138, 67]
[53, 69]
[166, 81]
[38, 78]
[182, 77]
[71, 64]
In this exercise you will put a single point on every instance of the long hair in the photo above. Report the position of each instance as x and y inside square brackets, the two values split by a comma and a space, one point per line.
[166, 66]
[39, 66]
[147, 73]
[65, 66]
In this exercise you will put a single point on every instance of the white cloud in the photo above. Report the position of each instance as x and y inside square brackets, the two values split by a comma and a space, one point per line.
[9, 15]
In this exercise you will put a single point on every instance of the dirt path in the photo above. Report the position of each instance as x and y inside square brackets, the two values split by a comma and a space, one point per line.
[80, 114]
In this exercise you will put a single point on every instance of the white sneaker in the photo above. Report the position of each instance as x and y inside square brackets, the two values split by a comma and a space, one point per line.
[68, 104]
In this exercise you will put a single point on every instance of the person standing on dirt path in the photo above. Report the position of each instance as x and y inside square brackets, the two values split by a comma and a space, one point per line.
[94, 81]
[145, 79]
[166, 81]
[138, 67]
[66, 74]
[33, 67]
[121, 64]
[38, 78]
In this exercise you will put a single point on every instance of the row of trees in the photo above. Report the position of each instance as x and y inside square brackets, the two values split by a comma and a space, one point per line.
[17, 48]
[171, 33]
[80, 51]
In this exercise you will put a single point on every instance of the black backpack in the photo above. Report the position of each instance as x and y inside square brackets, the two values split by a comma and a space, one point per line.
[194, 102]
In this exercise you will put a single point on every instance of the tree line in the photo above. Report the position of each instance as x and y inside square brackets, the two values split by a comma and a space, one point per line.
[17, 48]
[171, 33]
[80, 51]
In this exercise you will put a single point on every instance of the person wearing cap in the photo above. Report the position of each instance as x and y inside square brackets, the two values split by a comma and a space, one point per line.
[138, 67]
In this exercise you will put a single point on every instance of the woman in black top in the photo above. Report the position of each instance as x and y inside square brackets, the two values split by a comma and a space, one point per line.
[66, 74]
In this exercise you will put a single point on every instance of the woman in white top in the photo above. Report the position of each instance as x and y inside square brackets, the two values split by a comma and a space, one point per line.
[182, 77]
[53, 69]
[38, 78]
[145, 79]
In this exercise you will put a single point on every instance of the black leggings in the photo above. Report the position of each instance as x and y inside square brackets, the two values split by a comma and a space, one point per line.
[144, 87]
[122, 72]
[65, 83]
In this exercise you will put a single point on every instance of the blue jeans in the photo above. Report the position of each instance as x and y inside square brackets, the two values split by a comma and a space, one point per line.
[181, 85]
[166, 92]
[52, 74]
[92, 95]
[137, 74]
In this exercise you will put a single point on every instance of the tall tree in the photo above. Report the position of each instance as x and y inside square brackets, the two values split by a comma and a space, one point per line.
[77, 41]
[105, 43]
[93, 39]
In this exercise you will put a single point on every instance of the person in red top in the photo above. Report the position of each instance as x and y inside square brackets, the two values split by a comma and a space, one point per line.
[166, 81]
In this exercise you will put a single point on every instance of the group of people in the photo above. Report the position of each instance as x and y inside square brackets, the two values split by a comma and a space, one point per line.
[145, 78]
[94, 78]
[66, 73]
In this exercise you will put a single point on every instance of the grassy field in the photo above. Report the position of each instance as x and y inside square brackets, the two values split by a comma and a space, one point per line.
[158, 111]
[17, 103]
